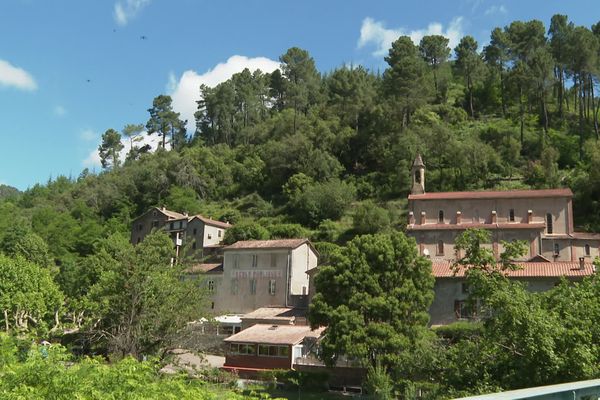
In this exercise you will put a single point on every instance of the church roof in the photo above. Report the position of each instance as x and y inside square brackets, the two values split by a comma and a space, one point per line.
[503, 194]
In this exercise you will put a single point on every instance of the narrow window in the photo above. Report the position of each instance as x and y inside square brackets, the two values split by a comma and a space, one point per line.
[441, 217]
[417, 177]
[440, 248]
[272, 287]
[254, 260]
[220, 233]
[511, 215]
[252, 286]
[172, 226]
[194, 245]
[209, 236]
[549, 227]
[587, 250]
[236, 261]
[211, 286]
[556, 249]
[195, 231]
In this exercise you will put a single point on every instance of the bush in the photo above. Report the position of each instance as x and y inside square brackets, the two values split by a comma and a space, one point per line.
[288, 231]
[246, 230]
[370, 218]
[326, 200]
[327, 231]
[459, 330]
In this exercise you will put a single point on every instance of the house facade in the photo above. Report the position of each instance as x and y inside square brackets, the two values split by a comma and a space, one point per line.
[199, 234]
[542, 218]
[264, 273]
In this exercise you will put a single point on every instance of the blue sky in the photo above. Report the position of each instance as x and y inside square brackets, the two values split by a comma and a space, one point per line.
[70, 69]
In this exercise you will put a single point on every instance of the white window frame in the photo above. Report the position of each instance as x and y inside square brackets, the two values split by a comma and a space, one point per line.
[272, 287]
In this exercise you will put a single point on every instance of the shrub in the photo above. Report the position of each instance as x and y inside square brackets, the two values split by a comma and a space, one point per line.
[370, 218]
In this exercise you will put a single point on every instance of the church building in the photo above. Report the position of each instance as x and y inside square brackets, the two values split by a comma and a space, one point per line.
[542, 218]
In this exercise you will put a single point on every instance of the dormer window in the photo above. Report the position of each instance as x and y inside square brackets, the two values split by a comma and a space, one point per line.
[511, 215]
[441, 216]
[549, 224]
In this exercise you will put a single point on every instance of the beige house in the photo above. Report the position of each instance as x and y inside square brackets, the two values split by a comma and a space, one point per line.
[264, 273]
[200, 233]
[542, 218]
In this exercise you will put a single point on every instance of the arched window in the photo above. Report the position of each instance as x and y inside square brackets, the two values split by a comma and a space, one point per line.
[441, 216]
[549, 224]
[587, 250]
[440, 248]
[556, 249]
[511, 215]
[418, 176]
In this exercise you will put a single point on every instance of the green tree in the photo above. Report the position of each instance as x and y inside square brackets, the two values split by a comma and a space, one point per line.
[164, 121]
[29, 299]
[434, 49]
[110, 148]
[245, 230]
[373, 299]
[140, 300]
[468, 63]
[370, 218]
[134, 134]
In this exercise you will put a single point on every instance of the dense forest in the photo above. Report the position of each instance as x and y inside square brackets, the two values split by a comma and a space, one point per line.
[303, 153]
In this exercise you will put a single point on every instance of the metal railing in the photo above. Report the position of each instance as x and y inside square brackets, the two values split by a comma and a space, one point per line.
[581, 390]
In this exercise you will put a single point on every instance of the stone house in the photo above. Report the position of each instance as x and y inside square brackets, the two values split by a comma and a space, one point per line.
[202, 235]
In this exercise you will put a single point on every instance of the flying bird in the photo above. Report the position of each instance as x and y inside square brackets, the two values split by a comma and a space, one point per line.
[143, 37]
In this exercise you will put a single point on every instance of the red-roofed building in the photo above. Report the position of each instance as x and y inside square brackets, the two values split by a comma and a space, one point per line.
[451, 292]
[542, 218]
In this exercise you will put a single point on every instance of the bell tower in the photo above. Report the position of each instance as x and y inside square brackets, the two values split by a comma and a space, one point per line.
[418, 176]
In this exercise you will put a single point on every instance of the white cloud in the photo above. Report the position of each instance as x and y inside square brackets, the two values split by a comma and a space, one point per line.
[15, 77]
[496, 10]
[375, 33]
[88, 135]
[127, 9]
[186, 92]
[59, 111]
[93, 158]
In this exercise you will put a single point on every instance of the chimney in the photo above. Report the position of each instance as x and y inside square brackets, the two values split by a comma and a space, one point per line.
[411, 218]
[582, 263]
[529, 216]
[422, 217]
[458, 217]
[494, 217]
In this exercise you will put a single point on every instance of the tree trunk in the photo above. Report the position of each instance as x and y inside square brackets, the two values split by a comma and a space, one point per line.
[581, 110]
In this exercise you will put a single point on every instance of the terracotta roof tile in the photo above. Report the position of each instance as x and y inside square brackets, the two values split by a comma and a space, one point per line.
[504, 194]
[443, 269]
[267, 244]
[208, 221]
[274, 334]
[275, 312]
[508, 225]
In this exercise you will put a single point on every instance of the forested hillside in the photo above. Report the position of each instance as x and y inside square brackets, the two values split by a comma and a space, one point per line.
[305, 153]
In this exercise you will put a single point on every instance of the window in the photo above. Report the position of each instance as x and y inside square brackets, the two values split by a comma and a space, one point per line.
[254, 260]
[272, 287]
[265, 350]
[440, 248]
[234, 286]
[463, 310]
[511, 215]
[441, 216]
[195, 231]
[417, 177]
[273, 260]
[194, 245]
[252, 286]
[464, 287]
[241, 348]
[220, 233]
[549, 227]
[587, 250]
[172, 225]
[140, 227]
[556, 249]
[209, 236]
[210, 285]
[155, 223]
[236, 261]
